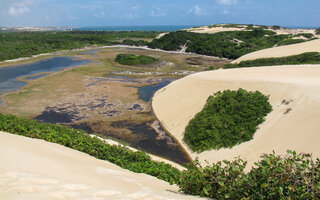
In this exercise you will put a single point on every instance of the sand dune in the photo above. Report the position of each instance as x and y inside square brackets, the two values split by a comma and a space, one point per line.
[293, 124]
[35, 169]
[282, 51]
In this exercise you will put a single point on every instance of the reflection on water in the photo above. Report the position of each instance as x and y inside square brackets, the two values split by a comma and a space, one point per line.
[9, 75]
[147, 92]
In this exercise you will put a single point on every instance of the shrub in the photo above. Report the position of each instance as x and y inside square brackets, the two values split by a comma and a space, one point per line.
[79, 140]
[227, 119]
[295, 176]
[130, 59]
[305, 58]
[318, 31]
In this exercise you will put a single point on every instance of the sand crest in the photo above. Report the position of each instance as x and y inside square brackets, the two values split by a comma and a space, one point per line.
[293, 124]
[35, 169]
[282, 51]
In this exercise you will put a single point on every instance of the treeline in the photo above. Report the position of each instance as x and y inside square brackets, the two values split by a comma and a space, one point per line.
[305, 58]
[23, 44]
[295, 176]
[229, 44]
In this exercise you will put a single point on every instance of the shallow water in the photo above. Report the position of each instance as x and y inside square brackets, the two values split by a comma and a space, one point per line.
[91, 52]
[9, 75]
[165, 147]
[36, 76]
[147, 92]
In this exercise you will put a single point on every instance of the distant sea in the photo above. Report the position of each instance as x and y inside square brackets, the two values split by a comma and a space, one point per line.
[134, 28]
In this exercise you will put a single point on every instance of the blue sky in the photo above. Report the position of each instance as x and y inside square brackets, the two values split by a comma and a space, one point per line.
[158, 12]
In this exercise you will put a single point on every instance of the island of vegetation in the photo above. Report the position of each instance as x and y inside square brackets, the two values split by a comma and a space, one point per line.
[305, 58]
[130, 59]
[228, 118]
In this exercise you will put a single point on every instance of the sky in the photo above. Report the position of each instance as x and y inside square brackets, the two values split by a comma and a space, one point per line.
[79, 13]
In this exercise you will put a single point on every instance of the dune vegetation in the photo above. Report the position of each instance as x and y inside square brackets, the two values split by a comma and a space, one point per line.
[227, 119]
[130, 59]
[228, 44]
[305, 58]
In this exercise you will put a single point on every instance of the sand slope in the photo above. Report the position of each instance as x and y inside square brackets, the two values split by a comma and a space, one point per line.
[282, 51]
[298, 130]
[35, 169]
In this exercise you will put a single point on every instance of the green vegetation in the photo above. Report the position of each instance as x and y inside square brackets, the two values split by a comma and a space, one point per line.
[227, 119]
[291, 41]
[306, 35]
[79, 140]
[318, 31]
[229, 44]
[295, 176]
[305, 58]
[274, 177]
[130, 59]
[135, 42]
[23, 44]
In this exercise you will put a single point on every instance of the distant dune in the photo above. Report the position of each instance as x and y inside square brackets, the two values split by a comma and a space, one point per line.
[35, 169]
[282, 51]
[293, 124]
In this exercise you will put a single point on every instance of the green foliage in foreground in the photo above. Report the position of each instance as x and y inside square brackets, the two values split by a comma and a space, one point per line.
[318, 31]
[305, 58]
[274, 177]
[23, 44]
[227, 119]
[229, 44]
[130, 59]
[138, 162]
[295, 176]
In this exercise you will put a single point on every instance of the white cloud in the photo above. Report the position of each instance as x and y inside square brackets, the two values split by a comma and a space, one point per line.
[15, 11]
[198, 11]
[227, 2]
[158, 13]
[20, 8]
[225, 12]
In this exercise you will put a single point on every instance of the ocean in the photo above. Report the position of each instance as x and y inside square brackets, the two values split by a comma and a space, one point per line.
[134, 28]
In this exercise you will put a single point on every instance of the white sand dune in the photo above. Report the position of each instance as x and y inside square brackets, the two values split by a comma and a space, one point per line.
[293, 124]
[35, 169]
[282, 51]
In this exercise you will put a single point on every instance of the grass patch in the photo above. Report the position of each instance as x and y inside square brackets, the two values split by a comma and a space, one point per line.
[227, 119]
[130, 59]
[79, 140]
[305, 58]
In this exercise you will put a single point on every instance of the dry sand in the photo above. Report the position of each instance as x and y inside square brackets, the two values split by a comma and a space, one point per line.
[282, 51]
[298, 130]
[35, 169]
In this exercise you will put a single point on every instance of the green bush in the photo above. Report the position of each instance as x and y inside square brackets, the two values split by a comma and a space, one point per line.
[79, 140]
[305, 58]
[220, 44]
[130, 59]
[227, 119]
[295, 176]
[318, 31]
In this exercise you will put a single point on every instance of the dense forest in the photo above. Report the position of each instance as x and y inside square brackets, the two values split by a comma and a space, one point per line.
[305, 58]
[229, 44]
[23, 44]
[227, 119]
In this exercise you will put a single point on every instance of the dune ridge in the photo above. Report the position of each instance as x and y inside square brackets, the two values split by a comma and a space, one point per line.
[293, 124]
[282, 51]
[36, 169]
